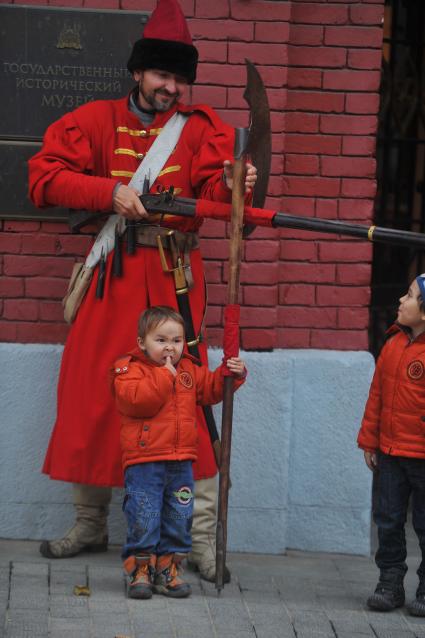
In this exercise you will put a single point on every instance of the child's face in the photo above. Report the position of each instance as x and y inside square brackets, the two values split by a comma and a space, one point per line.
[409, 313]
[166, 340]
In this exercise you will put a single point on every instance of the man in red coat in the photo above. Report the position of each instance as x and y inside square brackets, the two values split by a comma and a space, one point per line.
[87, 159]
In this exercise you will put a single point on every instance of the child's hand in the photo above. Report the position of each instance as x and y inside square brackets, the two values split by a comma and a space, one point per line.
[237, 366]
[170, 366]
[371, 460]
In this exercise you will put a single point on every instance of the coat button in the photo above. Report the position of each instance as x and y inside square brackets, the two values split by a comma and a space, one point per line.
[143, 133]
[146, 428]
[423, 418]
[142, 444]
[140, 155]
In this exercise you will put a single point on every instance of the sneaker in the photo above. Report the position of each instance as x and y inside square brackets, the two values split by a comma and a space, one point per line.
[141, 570]
[417, 606]
[386, 597]
[167, 577]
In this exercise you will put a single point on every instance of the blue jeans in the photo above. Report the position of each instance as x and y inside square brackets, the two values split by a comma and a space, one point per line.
[158, 506]
[398, 478]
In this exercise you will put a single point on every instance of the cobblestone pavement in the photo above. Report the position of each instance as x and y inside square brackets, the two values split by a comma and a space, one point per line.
[299, 595]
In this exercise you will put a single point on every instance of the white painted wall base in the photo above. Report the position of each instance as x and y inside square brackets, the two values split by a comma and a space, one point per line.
[299, 480]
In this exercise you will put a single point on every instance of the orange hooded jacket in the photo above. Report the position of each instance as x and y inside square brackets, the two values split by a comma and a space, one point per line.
[394, 417]
[158, 410]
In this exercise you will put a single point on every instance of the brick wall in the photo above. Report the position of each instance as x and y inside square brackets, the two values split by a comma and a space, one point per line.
[320, 62]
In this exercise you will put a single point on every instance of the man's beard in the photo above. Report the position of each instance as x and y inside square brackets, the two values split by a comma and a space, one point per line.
[157, 103]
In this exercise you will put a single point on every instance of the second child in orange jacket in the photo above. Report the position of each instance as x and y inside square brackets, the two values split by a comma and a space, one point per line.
[157, 389]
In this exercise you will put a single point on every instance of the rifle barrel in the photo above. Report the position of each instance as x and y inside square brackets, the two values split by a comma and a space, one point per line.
[372, 233]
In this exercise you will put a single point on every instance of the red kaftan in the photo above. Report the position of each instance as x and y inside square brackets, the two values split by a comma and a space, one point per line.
[84, 155]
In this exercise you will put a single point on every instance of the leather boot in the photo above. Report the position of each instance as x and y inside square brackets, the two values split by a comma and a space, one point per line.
[89, 532]
[141, 569]
[389, 593]
[202, 556]
[417, 606]
[168, 579]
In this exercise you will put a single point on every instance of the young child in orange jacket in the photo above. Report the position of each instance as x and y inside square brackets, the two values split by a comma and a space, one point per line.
[392, 436]
[157, 388]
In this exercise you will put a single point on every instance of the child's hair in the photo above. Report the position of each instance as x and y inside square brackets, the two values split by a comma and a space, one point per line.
[151, 318]
[421, 299]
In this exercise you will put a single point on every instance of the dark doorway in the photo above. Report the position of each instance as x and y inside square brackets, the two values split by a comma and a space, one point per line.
[400, 200]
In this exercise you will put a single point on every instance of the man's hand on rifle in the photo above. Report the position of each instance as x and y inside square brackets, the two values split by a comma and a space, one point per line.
[250, 176]
[126, 202]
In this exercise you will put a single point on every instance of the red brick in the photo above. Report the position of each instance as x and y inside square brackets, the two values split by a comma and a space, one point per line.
[315, 101]
[367, 104]
[306, 317]
[11, 287]
[262, 250]
[276, 167]
[213, 95]
[293, 338]
[302, 78]
[355, 251]
[7, 332]
[33, 266]
[21, 227]
[342, 296]
[50, 310]
[275, 185]
[22, 309]
[327, 208]
[207, 9]
[234, 118]
[41, 332]
[215, 249]
[59, 228]
[358, 145]
[136, 5]
[309, 13]
[301, 164]
[307, 273]
[323, 57]
[351, 124]
[349, 80]
[212, 51]
[212, 228]
[258, 339]
[46, 287]
[339, 339]
[10, 243]
[297, 294]
[266, 9]
[256, 317]
[217, 294]
[214, 316]
[353, 36]
[214, 30]
[354, 274]
[356, 209]
[272, 32]
[301, 123]
[221, 74]
[213, 271]
[353, 318]
[260, 295]
[364, 59]
[307, 35]
[297, 206]
[258, 53]
[348, 166]
[311, 186]
[214, 337]
[253, 273]
[322, 144]
[360, 14]
[293, 250]
[358, 187]
[102, 4]
[39, 244]
[74, 245]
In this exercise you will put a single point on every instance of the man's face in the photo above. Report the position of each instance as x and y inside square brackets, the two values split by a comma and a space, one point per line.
[159, 90]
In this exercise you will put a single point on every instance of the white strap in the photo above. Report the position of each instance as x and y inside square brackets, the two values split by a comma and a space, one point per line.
[150, 167]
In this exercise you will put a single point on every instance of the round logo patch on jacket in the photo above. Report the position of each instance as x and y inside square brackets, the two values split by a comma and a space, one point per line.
[186, 379]
[415, 370]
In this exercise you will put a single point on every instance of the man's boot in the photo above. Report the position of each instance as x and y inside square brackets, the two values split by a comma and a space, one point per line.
[202, 556]
[90, 532]
[141, 569]
[417, 606]
[389, 592]
[168, 579]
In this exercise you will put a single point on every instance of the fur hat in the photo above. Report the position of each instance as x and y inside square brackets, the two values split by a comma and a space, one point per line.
[166, 43]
